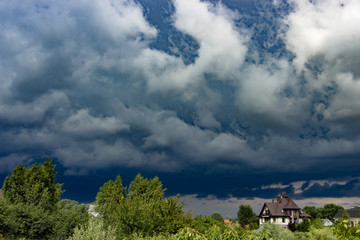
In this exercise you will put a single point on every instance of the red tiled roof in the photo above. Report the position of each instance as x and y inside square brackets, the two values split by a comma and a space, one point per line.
[227, 221]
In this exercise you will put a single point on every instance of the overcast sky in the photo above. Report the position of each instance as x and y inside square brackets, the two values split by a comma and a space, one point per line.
[228, 102]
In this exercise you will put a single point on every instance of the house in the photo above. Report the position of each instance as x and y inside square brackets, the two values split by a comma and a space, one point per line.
[227, 221]
[92, 211]
[326, 222]
[354, 214]
[283, 212]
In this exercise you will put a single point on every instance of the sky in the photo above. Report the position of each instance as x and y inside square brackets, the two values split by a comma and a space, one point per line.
[229, 102]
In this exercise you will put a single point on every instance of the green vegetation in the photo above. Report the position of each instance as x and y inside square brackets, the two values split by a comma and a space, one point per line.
[31, 208]
[217, 216]
[328, 211]
[140, 209]
[246, 216]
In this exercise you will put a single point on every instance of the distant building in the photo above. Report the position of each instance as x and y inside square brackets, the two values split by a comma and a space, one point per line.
[92, 211]
[283, 212]
[354, 214]
[326, 222]
[227, 221]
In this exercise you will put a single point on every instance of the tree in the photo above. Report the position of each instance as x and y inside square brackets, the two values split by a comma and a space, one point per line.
[317, 223]
[25, 221]
[304, 225]
[329, 211]
[69, 215]
[33, 186]
[217, 216]
[313, 211]
[109, 197]
[246, 216]
[142, 209]
[29, 207]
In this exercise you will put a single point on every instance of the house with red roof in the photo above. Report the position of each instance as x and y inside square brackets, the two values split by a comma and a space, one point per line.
[283, 212]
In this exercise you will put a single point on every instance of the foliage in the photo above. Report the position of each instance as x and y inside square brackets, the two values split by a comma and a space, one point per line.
[109, 197]
[68, 217]
[189, 234]
[231, 233]
[24, 221]
[312, 211]
[345, 215]
[214, 232]
[94, 230]
[316, 223]
[33, 186]
[202, 224]
[342, 230]
[217, 216]
[304, 225]
[321, 234]
[31, 207]
[30, 202]
[328, 211]
[276, 232]
[142, 209]
[246, 215]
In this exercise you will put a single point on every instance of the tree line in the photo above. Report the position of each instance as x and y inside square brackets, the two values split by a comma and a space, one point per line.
[31, 208]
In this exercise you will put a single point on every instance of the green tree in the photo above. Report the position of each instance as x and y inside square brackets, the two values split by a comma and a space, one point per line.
[25, 221]
[329, 211]
[317, 223]
[203, 224]
[217, 216]
[33, 186]
[109, 197]
[313, 211]
[69, 215]
[344, 216]
[304, 225]
[29, 207]
[246, 216]
[142, 209]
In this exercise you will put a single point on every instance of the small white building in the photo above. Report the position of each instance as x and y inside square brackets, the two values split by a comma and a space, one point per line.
[283, 212]
[92, 211]
[326, 222]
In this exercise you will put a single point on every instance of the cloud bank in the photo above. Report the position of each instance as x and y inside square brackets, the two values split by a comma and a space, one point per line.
[83, 83]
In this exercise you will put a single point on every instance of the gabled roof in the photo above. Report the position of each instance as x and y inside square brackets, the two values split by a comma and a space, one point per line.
[353, 213]
[283, 203]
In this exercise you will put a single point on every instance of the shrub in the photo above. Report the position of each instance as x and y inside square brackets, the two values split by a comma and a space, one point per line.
[94, 230]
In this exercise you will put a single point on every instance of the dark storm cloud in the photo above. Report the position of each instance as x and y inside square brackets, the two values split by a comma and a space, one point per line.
[181, 87]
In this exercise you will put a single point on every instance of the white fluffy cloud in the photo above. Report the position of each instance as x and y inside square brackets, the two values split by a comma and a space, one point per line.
[83, 124]
[327, 29]
[222, 48]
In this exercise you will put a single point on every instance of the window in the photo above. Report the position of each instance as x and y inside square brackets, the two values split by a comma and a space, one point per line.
[283, 220]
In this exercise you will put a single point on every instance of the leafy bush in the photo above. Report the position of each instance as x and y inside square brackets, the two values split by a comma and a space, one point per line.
[276, 232]
[189, 234]
[94, 230]
[321, 234]
[304, 225]
[342, 230]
